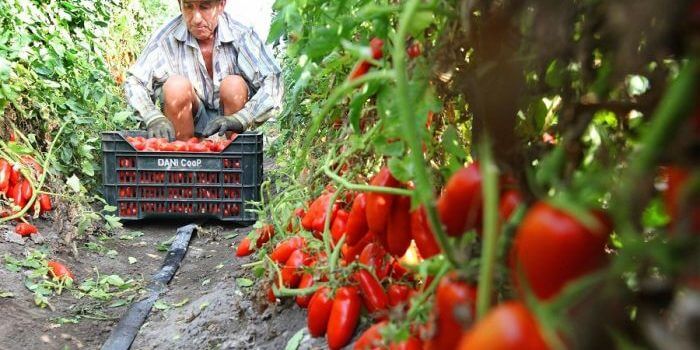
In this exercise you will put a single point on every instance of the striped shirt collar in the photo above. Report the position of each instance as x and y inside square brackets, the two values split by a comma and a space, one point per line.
[223, 33]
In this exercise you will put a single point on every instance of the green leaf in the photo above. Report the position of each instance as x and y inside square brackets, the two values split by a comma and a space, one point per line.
[421, 21]
[402, 169]
[74, 183]
[121, 117]
[132, 260]
[117, 303]
[294, 342]
[161, 305]
[181, 303]
[554, 76]
[114, 280]
[231, 235]
[637, 85]
[244, 282]
[452, 143]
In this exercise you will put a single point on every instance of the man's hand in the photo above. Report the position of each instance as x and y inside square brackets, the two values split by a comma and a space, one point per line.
[222, 124]
[161, 127]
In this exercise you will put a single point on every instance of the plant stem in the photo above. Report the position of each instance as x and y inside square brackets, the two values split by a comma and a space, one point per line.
[366, 188]
[415, 305]
[424, 186]
[489, 173]
[327, 224]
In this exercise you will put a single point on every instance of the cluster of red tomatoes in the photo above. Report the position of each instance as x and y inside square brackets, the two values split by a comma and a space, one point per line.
[19, 191]
[551, 248]
[376, 47]
[192, 145]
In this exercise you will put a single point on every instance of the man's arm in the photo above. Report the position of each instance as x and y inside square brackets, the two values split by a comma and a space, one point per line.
[264, 74]
[140, 82]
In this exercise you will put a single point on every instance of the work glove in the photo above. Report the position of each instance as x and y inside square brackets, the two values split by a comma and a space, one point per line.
[161, 127]
[222, 124]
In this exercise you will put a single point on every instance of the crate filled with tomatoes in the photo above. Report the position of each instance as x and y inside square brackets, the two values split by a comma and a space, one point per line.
[151, 177]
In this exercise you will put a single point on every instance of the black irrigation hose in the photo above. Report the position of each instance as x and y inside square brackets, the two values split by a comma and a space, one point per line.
[124, 334]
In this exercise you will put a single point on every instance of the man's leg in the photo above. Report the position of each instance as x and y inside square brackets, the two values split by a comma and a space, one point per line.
[233, 93]
[180, 101]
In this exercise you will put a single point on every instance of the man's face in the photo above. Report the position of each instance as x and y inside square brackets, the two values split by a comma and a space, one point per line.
[202, 16]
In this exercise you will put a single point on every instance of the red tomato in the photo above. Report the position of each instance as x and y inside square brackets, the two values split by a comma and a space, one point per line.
[360, 69]
[167, 147]
[510, 200]
[197, 147]
[291, 269]
[16, 194]
[398, 229]
[413, 50]
[379, 204]
[179, 146]
[376, 45]
[372, 292]
[59, 271]
[264, 234]
[411, 343]
[454, 309]
[152, 144]
[315, 218]
[398, 294]
[553, 248]
[5, 172]
[371, 338]
[350, 253]
[460, 203]
[15, 175]
[31, 162]
[344, 316]
[357, 220]
[285, 248]
[508, 326]
[374, 257]
[139, 145]
[423, 235]
[307, 280]
[244, 247]
[24, 229]
[677, 178]
[270, 296]
[319, 312]
[339, 224]
[45, 202]
[27, 190]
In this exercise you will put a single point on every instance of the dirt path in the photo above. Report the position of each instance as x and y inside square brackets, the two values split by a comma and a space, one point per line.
[204, 307]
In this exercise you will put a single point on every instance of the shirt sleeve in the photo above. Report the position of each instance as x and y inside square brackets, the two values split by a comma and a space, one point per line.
[149, 72]
[265, 77]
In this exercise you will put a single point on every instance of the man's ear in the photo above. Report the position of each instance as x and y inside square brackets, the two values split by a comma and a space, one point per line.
[223, 5]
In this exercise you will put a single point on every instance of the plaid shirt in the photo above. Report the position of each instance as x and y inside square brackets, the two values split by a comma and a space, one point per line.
[237, 50]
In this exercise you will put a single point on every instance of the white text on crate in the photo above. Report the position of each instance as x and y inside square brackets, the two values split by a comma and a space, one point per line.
[179, 163]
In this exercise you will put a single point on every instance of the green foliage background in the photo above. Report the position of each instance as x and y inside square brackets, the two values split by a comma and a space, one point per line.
[62, 62]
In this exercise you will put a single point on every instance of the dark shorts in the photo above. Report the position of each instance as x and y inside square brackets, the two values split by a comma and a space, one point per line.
[201, 117]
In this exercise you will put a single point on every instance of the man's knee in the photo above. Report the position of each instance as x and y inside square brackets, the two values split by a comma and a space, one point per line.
[233, 93]
[178, 91]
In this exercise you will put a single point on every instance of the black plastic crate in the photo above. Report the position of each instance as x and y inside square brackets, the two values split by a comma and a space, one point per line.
[145, 184]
